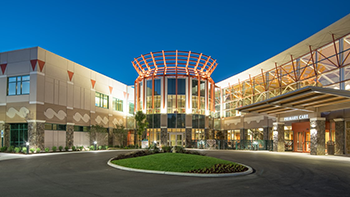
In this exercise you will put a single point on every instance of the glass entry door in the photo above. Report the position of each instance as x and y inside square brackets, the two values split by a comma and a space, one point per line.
[176, 139]
[303, 142]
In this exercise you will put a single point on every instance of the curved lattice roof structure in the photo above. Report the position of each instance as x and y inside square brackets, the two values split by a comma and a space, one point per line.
[167, 63]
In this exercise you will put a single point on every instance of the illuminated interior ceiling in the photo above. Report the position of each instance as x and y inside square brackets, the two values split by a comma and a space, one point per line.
[304, 99]
[177, 63]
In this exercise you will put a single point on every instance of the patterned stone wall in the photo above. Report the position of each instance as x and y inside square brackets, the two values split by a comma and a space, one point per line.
[110, 137]
[347, 137]
[317, 136]
[243, 134]
[278, 137]
[7, 135]
[163, 137]
[188, 138]
[339, 136]
[69, 136]
[266, 133]
[36, 134]
[206, 134]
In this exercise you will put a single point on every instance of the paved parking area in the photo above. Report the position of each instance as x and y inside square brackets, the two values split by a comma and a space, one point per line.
[87, 174]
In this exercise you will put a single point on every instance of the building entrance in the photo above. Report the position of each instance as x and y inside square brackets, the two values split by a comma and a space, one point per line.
[176, 139]
[302, 136]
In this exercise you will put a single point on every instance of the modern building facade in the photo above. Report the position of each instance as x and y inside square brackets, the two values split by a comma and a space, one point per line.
[48, 101]
[299, 99]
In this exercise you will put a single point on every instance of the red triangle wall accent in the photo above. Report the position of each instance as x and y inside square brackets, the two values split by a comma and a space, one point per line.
[110, 89]
[3, 68]
[70, 75]
[41, 65]
[33, 62]
[93, 83]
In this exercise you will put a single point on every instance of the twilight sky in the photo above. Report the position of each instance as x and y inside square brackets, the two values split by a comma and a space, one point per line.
[105, 36]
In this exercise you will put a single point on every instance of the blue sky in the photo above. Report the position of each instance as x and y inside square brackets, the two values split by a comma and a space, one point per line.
[106, 35]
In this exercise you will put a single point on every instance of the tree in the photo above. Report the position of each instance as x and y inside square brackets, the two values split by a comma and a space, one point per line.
[121, 134]
[141, 124]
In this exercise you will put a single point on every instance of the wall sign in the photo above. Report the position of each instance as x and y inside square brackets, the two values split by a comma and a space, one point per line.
[300, 117]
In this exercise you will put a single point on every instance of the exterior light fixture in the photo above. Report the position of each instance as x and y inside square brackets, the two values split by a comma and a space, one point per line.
[95, 143]
[27, 144]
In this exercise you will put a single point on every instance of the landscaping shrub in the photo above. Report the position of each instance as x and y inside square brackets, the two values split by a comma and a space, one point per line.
[133, 154]
[99, 147]
[66, 148]
[60, 148]
[17, 149]
[73, 148]
[10, 149]
[24, 150]
[54, 148]
[166, 149]
[106, 147]
[32, 150]
[38, 150]
[221, 168]
[179, 149]
[3, 149]
[47, 150]
[92, 147]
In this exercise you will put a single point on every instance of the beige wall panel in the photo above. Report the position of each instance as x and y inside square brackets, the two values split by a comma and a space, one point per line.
[100, 119]
[232, 123]
[102, 84]
[70, 97]
[56, 72]
[70, 114]
[92, 104]
[49, 90]
[19, 55]
[77, 96]
[80, 117]
[4, 58]
[116, 120]
[62, 97]
[2, 113]
[16, 99]
[3, 89]
[33, 88]
[54, 138]
[41, 54]
[254, 122]
[56, 92]
[188, 121]
[82, 81]
[56, 60]
[164, 120]
[34, 53]
[20, 112]
[70, 66]
[18, 68]
[54, 113]
[40, 88]
[81, 139]
[82, 98]
[88, 99]
[40, 112]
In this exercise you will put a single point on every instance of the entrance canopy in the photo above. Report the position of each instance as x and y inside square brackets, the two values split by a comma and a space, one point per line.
[304, 99]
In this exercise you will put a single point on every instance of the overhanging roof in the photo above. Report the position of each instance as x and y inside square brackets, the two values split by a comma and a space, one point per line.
[304, 99]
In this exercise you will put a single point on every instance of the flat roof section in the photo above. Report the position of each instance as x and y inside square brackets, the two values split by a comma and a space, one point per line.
[305, 99]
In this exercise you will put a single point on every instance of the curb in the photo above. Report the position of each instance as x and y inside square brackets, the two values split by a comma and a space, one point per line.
[249, 171]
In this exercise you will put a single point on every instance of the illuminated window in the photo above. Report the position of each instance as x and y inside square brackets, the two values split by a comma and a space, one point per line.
[117, 104]
[101, 100]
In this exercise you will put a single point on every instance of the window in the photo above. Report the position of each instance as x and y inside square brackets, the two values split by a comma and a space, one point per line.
[198, 121]
[81, 128]
[153, 120]
[18, 134]
[176, 120]
[131, 108]
[57, 127]
[117, 104]
[101, 100]
[18, 85]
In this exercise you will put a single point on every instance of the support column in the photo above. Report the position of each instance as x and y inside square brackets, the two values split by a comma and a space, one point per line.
[163, 137]
[6, 135]
[278, 136]
[188, 138]
[206, 134]
[317, 136]
[69, 135]
[224, 133]
[339, 136]
[110, 137]
[243, 134]
[36, 134]
[266, 133]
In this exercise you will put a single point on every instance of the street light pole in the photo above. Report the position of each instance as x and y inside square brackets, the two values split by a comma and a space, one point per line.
[95, 143]
[27, 144]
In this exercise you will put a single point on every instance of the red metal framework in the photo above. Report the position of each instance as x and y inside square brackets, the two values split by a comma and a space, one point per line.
[174, 63]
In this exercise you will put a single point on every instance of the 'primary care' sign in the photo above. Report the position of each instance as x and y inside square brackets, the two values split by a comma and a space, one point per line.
[300, 117]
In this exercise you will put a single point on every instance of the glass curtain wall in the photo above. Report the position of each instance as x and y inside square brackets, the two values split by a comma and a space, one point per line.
[176, 105]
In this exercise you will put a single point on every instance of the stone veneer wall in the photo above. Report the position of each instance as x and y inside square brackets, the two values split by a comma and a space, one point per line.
[347, 138]
[69, 135]
[243, 134]
[163, 137]
[36, 134]
[317, 136]
[110, 137]
[206, 134]
[188, 138]
[339, 136]
[278, 137]
[6, 134]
